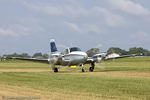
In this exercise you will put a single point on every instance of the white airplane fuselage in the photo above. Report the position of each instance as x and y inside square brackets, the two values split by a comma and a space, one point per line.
[72, 58]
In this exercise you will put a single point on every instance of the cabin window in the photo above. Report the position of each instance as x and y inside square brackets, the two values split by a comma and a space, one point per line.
[75, 49]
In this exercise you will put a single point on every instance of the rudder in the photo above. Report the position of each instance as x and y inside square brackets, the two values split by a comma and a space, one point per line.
[53, 46]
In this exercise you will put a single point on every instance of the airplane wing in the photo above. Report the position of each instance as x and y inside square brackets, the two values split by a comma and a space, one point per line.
[123, 56]
[99, 59]
[30, 59]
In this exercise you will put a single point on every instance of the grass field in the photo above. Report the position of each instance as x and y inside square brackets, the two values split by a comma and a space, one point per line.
[121, 79]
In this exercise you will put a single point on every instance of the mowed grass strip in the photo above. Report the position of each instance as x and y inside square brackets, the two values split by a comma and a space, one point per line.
[21, 64]
[68, 83]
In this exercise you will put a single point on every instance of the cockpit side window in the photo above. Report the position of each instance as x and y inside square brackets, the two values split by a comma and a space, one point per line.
[66, 51]
[75, 49]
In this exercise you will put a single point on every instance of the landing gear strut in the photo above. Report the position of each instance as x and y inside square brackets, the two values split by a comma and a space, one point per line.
[83, 70]
[92, 67]
[82, 65]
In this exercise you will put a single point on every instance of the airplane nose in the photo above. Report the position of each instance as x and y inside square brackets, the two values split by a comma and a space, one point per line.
[79, 57]
[85, 56]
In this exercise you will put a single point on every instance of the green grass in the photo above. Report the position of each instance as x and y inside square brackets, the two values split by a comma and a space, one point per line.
[115, 86]
[104, 83]
[13, 64]
[140, 64]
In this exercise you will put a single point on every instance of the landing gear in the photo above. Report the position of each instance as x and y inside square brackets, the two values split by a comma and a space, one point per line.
[92, 67]
[82, 65]
[55, 69]
[83, 70]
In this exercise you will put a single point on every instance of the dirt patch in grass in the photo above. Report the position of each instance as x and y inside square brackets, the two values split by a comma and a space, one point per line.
[107, 73]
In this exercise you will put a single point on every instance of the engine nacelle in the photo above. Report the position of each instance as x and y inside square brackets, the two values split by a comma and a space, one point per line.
[55, 58]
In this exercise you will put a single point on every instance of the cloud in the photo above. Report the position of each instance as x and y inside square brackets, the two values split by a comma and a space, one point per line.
[93, 29]
[110, 18]
[7, 32]
[74, 27]
[72, 11]
[140, 36]
[20, 29]
[63, 10]
[51, 10]
[14, 31]
[129, 6]
[85, 28]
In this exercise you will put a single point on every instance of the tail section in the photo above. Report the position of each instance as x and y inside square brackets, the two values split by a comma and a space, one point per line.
[53, 46]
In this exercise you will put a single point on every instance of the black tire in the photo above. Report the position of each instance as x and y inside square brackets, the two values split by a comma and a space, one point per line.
[83, 70]
[91, 69]
[56, 70]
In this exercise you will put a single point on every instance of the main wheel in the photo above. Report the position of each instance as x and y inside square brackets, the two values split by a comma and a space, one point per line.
[91, 69]
[56, 70]
[83, 70]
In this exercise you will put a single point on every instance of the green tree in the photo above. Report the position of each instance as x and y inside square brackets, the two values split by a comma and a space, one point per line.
[92, 52]
[26, 55]
[45, 55]
[139, 51]
[17, 55]
[39, 54]
[116, 50]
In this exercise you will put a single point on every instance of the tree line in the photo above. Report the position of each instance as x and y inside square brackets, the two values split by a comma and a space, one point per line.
[26, 55]
[138, 51]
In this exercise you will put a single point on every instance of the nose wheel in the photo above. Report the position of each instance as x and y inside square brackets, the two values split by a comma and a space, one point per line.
[55, 69]
[82, 65]
[83, 70]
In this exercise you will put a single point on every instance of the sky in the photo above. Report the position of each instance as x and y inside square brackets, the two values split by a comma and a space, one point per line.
[28, 25]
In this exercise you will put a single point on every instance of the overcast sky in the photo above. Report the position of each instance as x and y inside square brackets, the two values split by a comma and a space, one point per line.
[28, 25]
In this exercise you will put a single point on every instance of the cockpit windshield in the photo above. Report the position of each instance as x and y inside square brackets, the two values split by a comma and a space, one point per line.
[75, 49]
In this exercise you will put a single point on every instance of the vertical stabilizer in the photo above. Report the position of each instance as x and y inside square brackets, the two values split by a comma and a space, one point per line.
[53, 46]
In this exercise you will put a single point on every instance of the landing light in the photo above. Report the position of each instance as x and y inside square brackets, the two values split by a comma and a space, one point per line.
[74, 66]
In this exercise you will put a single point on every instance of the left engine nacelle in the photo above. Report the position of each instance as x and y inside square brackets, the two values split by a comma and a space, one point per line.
[55, 59]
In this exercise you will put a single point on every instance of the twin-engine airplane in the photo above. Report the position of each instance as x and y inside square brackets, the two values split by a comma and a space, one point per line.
[72, 56]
